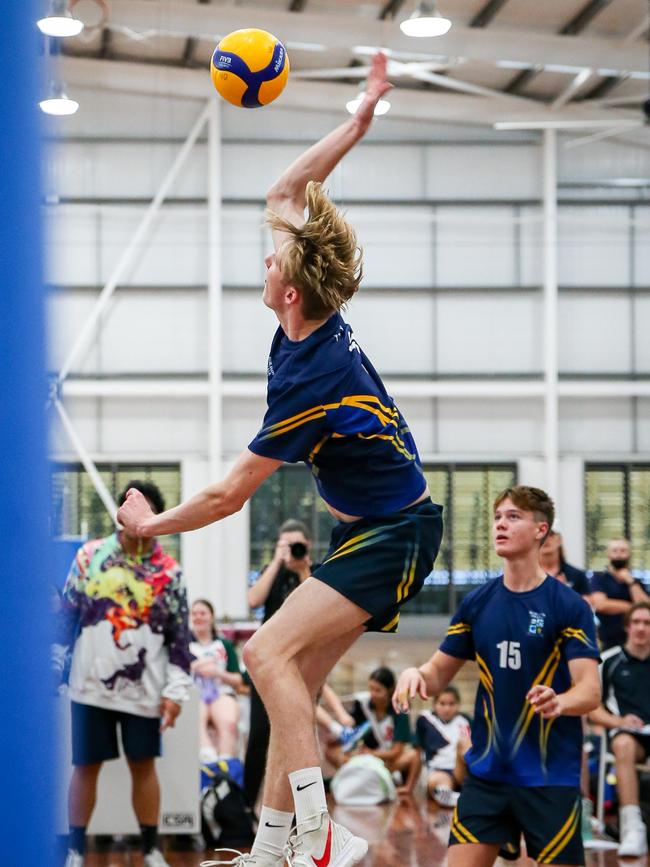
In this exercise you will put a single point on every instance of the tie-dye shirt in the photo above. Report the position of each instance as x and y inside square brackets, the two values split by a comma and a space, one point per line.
[129, 616]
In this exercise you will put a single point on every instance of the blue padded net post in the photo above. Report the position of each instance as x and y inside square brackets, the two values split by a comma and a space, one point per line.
[27, 756]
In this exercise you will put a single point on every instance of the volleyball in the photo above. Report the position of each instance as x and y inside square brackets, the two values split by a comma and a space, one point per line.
[250, 68]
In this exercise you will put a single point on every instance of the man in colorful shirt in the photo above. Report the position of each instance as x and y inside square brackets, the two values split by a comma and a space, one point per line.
[534, 640]
[124, 615]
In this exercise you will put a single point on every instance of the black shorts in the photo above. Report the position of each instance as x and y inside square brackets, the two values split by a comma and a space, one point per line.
[380, 563]
[94, 735]
[549, 817]
[644, 740]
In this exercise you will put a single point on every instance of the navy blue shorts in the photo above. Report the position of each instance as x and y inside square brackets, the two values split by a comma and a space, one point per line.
[94, 735]
[549, 817]
[380, 563]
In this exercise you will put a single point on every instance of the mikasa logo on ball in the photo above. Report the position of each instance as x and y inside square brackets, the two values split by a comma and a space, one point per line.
[279, 61]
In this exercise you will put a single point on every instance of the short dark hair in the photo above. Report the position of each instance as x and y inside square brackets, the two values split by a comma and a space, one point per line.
[636, 606]
[384, 676]
[530, 499]
[293, 526]
[149, 490]
[451, 690]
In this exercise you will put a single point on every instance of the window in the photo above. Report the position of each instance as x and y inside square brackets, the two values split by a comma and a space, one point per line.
[617, 505]
[467, 557]
[78, 511]
[466, 493]
[288, 493]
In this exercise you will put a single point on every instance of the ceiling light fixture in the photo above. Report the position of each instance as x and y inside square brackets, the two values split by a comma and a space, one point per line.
[58, 103]
[59, 21]
[425, 21]
[382, 107]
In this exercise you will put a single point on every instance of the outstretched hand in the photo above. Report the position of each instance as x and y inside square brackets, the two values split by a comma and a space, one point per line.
[134, 512]
[376, 87]
[410, 683]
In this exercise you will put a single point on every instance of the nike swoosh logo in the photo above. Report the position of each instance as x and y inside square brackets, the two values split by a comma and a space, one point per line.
[306, 786]
[325, 860]
[269, 825]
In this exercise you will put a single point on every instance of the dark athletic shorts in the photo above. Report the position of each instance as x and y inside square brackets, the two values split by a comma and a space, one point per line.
[549, 817]
[94, 735]
[380, 563]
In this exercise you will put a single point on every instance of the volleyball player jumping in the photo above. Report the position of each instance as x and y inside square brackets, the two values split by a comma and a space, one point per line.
[327, 407]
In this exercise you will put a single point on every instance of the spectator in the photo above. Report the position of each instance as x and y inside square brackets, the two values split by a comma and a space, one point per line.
[389, 733]
[613, 592]
[217, 675]
[625, 673]
[290, 566]
[553, 561]
[442, 733]
[124, 612]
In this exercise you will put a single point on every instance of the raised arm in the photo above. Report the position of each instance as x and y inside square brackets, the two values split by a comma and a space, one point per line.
[287, 195]
[211, 504]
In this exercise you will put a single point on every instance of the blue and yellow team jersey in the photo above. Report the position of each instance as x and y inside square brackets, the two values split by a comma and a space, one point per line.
[328, 407]
[520, 640]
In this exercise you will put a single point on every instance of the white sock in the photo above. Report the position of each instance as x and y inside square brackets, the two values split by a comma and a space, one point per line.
[336, 729]
[308, 794]
[272, 832]
[208, 756]
[631, 815]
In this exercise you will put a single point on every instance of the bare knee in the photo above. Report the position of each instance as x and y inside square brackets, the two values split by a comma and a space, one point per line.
[624, 748]
[141, 767]
[87, 773]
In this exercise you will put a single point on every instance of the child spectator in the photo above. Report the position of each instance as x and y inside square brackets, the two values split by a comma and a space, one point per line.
[441, 733]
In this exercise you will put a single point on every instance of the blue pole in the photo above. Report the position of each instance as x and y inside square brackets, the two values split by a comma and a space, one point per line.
[27, 755]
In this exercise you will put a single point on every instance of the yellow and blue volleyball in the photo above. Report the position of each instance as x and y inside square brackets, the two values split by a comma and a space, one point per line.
[250, 68]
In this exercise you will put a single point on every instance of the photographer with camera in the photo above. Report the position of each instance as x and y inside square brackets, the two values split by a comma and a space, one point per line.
[290, 566]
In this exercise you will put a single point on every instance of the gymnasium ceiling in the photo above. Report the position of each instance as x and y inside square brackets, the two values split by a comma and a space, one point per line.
[578, 62]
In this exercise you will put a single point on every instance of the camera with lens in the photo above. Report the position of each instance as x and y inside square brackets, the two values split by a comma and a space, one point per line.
[298, 550]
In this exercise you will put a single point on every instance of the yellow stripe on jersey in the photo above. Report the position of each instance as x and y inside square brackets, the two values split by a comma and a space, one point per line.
[580, 634]
[388, 417]
[544, 733]
[457, 628]
[527, 714]
[490, 728]
[483, 668]
[552, 849]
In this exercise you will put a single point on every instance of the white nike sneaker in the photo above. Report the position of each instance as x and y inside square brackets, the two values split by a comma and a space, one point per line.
[155, 859]
[326, 844]
[247, 859]
[74, 859]
[634, 841]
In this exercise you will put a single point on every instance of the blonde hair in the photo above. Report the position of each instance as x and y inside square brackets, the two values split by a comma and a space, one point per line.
[322, 259]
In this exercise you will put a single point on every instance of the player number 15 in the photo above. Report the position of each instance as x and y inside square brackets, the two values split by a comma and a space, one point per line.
[509, 654]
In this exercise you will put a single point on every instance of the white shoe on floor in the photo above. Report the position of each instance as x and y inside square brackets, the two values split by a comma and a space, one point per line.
[445, 797]
[155, 859]
[634, 841]
[246, 859]
[326, 844]
[74, 859]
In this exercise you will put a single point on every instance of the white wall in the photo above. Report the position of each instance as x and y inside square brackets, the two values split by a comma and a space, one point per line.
[450, 224]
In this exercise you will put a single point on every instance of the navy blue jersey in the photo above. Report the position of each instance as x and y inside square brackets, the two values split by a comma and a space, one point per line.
[576, 578]
[520, 640]
[612, 626]
[328, 407]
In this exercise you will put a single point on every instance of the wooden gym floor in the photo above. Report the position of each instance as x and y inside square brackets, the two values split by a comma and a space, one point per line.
[412, 834]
